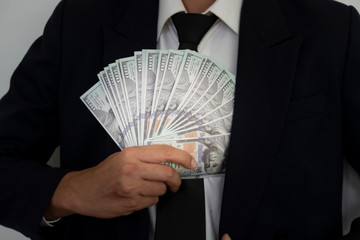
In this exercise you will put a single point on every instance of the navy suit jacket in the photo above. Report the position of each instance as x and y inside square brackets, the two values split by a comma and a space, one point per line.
[296, 116]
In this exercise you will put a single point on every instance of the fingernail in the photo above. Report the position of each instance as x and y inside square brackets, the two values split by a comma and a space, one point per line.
[193, 163]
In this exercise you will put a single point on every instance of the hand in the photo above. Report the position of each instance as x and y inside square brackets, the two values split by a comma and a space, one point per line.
[124, 182]
[226, 237]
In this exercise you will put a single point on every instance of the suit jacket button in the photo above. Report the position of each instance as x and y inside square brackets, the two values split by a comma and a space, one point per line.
[281, 235]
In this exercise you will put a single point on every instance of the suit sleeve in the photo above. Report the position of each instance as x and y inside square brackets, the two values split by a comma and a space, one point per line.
[29, 133]
[351, 94]
[351, 106]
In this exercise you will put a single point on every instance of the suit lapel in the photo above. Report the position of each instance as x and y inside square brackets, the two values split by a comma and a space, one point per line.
[123, 37]
[266, 67]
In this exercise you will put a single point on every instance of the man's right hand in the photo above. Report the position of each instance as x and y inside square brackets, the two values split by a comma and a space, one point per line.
[125, 182]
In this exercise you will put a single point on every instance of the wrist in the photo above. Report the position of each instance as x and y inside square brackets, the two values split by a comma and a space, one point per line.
[63, 201]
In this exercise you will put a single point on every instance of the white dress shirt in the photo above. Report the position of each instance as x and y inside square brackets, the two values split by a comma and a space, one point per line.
[221, 44]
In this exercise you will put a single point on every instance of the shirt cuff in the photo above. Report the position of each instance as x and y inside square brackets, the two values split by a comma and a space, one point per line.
[47, 223]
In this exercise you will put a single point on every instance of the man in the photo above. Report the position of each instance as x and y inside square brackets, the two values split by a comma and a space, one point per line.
[296, 116]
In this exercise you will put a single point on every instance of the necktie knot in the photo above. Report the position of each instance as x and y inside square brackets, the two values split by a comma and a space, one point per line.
[191, 28]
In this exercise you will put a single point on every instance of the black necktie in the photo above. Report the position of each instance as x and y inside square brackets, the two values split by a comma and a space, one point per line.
[181, 215]
[191, 28]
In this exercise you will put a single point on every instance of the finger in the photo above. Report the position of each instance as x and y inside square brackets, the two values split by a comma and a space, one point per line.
[160, 154]
[147, 174]
[138, 203]
[116, 206]
[141, 188]
[153, 189]
[147, 179]
[162, 173]
[134, 176]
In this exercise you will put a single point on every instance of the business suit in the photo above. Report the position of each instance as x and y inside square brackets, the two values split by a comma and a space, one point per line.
[297, 73]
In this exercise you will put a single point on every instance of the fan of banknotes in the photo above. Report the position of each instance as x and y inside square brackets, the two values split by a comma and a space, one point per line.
[174, 97]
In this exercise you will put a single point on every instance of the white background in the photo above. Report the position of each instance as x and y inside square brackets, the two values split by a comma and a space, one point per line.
[22, 21]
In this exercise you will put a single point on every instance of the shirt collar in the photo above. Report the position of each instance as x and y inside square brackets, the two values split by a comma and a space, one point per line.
[227, 10]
